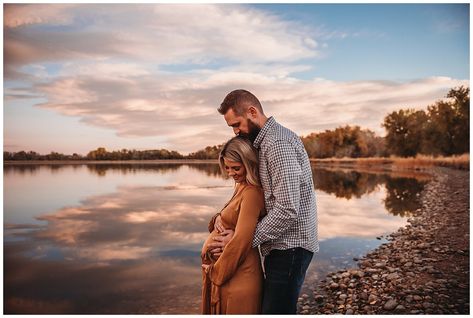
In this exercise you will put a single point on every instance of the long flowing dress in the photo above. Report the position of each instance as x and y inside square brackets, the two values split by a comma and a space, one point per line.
[234, 283]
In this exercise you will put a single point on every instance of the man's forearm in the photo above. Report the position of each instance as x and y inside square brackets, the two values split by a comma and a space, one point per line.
[273, 225]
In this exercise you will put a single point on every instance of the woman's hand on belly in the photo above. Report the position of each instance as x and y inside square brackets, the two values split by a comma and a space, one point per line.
[218, 243]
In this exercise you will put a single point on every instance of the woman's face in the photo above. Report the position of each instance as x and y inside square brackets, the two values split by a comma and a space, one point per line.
[236, 170]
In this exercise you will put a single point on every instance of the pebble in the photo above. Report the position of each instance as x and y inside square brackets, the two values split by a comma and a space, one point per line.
[392, 276]
[399, 308]
[372, 299]
[390, 304]
[381, 265]
[319, 298]
[427, 305]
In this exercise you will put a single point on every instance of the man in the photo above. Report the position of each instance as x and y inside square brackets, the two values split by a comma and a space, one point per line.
[287, 235]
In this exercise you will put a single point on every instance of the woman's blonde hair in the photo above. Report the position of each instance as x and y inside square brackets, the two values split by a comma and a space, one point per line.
[240, 149]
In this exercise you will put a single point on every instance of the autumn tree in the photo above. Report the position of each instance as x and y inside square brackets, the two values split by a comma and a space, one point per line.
[209, 152]
[344, 142]
[405, 131]
[442, 130]
[448, 129]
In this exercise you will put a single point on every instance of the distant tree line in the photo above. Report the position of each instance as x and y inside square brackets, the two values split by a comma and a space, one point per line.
[32, 155]
[98, 154]
[210, 152]
[444, 129]
[124, 154]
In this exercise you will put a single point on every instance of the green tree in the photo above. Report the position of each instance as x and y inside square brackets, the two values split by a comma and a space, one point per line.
[448, 128]
[461, 105]
[405, 131]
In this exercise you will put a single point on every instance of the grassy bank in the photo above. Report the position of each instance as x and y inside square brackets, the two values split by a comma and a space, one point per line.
[458, 162]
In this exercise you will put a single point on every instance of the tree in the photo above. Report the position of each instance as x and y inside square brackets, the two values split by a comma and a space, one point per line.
[405, 130]
[448, 128]
[7, 155]
[461, 127]
[344, 142]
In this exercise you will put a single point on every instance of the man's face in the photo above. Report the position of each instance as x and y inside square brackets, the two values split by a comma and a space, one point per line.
[237, 122]
[242, 125]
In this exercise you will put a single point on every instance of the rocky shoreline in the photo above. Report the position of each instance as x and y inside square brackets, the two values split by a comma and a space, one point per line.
[424, 269]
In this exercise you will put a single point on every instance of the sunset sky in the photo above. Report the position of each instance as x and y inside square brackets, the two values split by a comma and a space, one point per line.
[150, 76]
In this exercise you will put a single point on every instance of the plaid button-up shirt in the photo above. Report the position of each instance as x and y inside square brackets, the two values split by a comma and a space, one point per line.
[286, 178]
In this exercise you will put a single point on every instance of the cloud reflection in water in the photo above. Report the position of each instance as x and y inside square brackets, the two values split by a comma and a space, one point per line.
[136, 250]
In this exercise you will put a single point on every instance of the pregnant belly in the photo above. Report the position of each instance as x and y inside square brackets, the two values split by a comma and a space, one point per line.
[205, 259]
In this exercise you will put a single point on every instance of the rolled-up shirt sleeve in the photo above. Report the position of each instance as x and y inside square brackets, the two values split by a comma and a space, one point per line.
[285, 173]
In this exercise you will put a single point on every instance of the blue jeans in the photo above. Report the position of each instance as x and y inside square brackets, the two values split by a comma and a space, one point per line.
[285, 273]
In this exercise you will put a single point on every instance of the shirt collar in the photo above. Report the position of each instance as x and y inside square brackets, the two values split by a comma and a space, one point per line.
[267, 127]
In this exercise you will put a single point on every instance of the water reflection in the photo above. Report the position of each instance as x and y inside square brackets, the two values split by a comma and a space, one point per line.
[345, 184]
[210, 169]
[402, 189]
[127, 168]
[101, 169]
[27, 169]
[134, 222]
[164, 285]
[135, 249]
[403, 197]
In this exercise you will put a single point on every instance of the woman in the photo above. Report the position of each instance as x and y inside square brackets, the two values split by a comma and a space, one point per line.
[233, 284]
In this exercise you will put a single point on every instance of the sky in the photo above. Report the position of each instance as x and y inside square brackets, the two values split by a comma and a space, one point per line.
[151, 76]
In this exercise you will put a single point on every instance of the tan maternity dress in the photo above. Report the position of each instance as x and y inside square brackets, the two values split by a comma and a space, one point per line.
[234, 283]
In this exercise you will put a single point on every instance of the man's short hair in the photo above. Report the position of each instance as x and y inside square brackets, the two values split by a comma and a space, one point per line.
[239, 100]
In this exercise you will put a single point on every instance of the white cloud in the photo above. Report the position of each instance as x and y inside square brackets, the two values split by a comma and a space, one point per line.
[108, 252]
[160, 33]
[183, 107]
[20, 15]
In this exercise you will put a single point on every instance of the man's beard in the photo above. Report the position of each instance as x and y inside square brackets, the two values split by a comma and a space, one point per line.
[253, 131]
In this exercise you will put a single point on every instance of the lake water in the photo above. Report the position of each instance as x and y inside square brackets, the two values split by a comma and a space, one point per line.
[126, 238]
